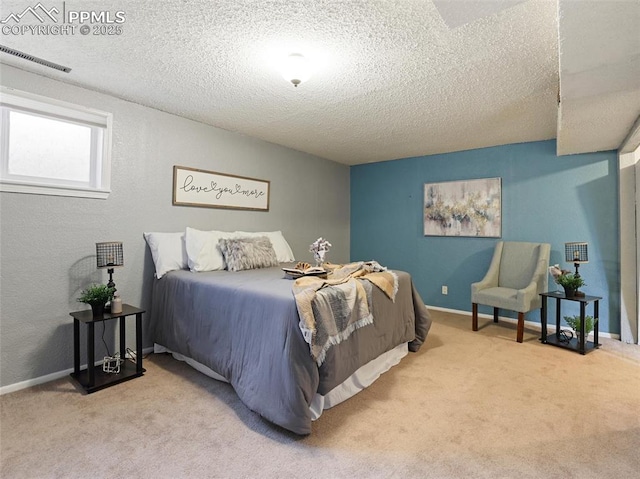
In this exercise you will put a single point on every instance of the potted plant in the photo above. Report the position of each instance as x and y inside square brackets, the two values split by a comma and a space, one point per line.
[574, 322]
[97, 295]
[571, 283]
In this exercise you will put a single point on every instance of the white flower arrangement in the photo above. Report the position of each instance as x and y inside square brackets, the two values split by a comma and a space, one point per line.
[319, 248]
[556, 272]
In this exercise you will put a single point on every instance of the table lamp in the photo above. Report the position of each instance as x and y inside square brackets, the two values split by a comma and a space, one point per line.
[577, 254]
[109, 255]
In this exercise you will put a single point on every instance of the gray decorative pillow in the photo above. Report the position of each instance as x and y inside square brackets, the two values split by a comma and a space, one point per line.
[248, 253]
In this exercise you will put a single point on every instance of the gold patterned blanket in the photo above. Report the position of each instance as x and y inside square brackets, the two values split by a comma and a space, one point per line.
[331, 309]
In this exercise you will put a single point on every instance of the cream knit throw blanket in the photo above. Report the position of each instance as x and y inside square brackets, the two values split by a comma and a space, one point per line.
[331, 309]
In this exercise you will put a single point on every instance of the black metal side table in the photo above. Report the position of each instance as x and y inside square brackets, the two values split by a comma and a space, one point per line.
[93, 378]
[573, 344]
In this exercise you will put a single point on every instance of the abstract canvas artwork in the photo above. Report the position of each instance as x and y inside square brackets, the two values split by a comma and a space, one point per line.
[463, 208]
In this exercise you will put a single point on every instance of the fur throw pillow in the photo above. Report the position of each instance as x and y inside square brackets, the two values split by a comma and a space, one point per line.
[248, 253]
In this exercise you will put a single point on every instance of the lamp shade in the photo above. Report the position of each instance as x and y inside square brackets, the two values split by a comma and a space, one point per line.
[109, 254]
[576, 253]
[296, 69]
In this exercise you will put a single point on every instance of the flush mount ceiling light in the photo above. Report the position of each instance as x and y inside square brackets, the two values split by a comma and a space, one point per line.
[296, 69]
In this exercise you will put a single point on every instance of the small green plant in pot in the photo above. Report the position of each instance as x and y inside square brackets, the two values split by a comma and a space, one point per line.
[574, 322]
[97, 295]
[571, 283]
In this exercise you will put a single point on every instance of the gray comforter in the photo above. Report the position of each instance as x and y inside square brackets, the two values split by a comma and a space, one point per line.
[244, 326]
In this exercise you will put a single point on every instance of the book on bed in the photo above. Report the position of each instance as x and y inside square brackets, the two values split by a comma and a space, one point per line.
[305, 269]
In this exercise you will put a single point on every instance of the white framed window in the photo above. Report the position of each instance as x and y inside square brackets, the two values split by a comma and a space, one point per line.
[51, 147]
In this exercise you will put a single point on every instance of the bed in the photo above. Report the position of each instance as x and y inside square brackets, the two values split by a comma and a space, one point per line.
[244, 327]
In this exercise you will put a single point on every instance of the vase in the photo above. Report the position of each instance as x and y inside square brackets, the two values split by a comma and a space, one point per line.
[97, 309]
[569, 292]
[579, 334]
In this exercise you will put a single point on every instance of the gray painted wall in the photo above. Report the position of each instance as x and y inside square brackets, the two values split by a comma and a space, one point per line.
[47, 243]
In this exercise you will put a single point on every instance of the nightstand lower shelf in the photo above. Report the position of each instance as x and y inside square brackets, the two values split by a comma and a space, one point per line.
[102, 380]
[554, 340]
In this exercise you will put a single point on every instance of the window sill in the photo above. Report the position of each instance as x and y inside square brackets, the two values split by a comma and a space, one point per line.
[36, 189]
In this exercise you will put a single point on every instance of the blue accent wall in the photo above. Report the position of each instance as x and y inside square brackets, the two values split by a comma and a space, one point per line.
[545, 198]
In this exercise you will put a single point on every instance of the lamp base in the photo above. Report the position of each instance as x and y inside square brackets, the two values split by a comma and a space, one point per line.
[111, 284]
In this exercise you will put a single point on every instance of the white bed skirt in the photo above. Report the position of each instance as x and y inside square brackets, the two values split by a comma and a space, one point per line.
[362, 378]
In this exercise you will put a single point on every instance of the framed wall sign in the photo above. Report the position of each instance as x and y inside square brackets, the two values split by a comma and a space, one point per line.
[463, 208]
[209, 189]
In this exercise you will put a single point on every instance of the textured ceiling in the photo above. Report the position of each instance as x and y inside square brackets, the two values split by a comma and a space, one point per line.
[599, 74]
[392, 78]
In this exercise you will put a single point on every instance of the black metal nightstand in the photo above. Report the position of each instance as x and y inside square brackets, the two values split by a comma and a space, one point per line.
[581, 346]
[93, 378]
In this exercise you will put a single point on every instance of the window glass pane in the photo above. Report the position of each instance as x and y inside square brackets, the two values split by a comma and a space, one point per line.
[49, 148]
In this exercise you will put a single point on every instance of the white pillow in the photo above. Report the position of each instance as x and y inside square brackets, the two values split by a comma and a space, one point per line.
[280, 245]
[203, 252]
[168, 251]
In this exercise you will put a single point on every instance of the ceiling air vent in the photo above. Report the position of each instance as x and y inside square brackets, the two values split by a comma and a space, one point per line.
[31, 58]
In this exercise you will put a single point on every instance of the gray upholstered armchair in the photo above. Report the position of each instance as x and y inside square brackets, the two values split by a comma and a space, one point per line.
[518, 273]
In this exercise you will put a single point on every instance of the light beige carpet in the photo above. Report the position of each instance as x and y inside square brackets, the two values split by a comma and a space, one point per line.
[468, 405]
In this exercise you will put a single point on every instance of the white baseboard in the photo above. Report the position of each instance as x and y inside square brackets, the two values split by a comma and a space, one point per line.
[60, 374]
[49, 377]
[34, 382]
[531, 324]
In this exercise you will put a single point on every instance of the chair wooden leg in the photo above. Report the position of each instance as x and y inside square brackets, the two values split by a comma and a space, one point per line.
[520, 327]
[474, 316]
[495, 315]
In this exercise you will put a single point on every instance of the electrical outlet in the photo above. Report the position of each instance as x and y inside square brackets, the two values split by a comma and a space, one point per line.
[445, 290]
